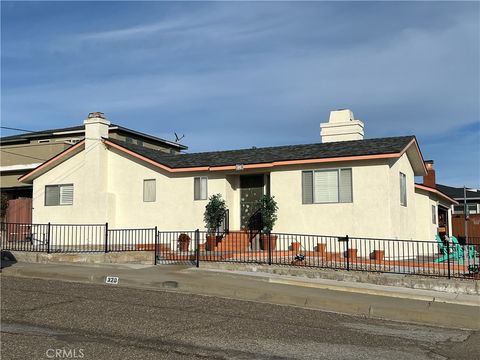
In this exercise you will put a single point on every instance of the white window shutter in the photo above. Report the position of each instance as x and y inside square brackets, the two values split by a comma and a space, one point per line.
[66, 194]
[149, 190]
[203, 188]
[326, 186]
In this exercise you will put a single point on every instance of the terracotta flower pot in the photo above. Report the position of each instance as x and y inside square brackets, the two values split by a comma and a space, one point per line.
[352, 253]
[321, 248]
[184, 245]
[211, 242]
[296, 247]
[264, 242]
[378, 255]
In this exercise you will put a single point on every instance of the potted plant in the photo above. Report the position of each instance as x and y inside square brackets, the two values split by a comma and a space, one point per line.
[183, 242]
[268, 208]
[213, 216]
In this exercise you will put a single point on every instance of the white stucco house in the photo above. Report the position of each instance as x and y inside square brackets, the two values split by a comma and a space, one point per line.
[344, 184]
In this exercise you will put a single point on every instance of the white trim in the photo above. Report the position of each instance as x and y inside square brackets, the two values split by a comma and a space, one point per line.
[19, 167]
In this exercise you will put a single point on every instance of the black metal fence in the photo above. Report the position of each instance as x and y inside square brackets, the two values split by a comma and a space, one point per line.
[435, 258]
[68, 238]
[430, 258]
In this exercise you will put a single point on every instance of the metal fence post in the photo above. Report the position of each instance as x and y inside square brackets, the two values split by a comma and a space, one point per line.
[197, 247]
[448, 257]
[269, 247]
[106, 237]
[48, 238]
[348, 255]
[155, 248]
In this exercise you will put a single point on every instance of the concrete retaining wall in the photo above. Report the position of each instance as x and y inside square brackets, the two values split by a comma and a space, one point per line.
[457, 286]
[130, 257]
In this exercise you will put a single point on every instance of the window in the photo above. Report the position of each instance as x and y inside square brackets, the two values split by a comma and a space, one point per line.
[403, 189]
[200, 188]
[59, 195]
[139, 142]
[434, 214]
[149, 190]
[327, 186]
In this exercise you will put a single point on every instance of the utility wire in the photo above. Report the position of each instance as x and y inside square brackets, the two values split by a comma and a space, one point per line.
[16, 129]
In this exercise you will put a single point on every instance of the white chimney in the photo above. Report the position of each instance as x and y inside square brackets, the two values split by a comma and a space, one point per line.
[96, 127]
[94, 189]
[341, 126]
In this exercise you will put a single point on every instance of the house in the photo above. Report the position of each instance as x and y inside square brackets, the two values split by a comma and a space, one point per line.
[344, 185]
[469, 198]
[24, 152]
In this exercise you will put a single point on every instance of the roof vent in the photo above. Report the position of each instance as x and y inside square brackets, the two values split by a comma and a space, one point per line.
[341, 126]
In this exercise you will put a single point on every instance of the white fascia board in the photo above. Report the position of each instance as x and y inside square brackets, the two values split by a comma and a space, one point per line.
[19, 167]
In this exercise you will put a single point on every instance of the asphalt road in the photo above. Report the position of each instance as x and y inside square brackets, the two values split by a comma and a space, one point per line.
[57, 320]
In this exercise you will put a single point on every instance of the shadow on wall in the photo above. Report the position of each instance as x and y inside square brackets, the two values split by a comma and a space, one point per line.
[7, 259]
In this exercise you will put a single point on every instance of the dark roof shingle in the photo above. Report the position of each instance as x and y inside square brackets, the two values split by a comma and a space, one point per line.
[51, 132]
[457, 193]
[388, 145]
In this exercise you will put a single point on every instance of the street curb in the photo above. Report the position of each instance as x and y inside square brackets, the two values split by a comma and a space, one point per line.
[373, 304]
[417, 282]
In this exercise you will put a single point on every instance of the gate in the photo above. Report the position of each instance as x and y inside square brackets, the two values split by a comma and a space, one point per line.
[19, 211]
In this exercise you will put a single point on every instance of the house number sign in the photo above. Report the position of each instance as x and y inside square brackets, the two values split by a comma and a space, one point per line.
[113, 280]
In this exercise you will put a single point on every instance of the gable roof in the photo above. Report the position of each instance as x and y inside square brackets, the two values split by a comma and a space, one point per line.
[381, 148]
[457, 193]
[270, 156]
[21, 138]
[437, 192]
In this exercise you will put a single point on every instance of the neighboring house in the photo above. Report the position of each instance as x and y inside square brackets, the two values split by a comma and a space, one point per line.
[439, 202]
[470, 197]
[22, 153]
[345, 185]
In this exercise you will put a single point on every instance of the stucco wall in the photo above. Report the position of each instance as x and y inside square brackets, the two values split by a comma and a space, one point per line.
[367, 216]
[73, 172]
[174, 208]
[113, 192]
[425, 229]
[403, 218]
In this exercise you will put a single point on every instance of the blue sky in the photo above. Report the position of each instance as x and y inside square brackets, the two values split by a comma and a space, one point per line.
[234, 75]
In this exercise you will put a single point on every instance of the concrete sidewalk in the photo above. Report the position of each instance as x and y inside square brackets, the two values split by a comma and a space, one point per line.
[362, 299]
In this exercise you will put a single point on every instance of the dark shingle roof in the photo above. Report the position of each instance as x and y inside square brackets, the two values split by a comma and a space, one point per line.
[457, 193]
[51, 132]
[270, 154]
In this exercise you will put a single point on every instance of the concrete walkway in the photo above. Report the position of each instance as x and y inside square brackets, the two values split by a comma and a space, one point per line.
[362, 299]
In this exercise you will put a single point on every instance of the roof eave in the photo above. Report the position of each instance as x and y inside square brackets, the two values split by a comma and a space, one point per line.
[52, 162]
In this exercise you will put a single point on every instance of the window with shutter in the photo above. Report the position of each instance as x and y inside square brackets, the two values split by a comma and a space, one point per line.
[149, 190]
[200, 191]
[327, 186]
[59, 195]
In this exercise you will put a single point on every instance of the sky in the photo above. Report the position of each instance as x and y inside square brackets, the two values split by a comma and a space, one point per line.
[233, 75]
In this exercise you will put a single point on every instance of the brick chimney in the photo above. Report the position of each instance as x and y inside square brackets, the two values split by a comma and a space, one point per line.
[429, 179]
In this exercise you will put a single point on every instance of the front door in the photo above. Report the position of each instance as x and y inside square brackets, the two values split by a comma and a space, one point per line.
[251, 190]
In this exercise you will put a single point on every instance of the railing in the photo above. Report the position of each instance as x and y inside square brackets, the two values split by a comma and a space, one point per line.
[68, 238]
[224, 227]
[329, 252]
[255, 225]
[430, 258]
